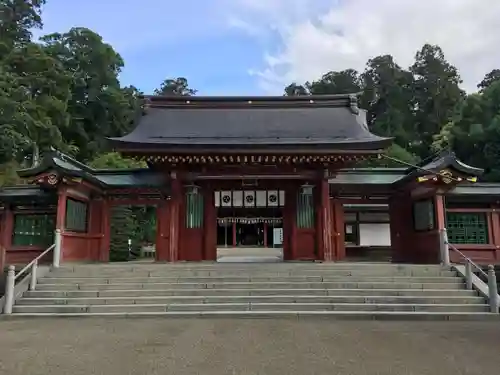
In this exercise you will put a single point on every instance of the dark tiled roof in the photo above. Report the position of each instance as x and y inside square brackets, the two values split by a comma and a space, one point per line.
[25, 194]
[106, 178]
[333, 122]
[481, 189]
[444, 160]
[368, 176]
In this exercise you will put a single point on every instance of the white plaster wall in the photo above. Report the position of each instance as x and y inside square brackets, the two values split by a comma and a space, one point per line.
[375, 234]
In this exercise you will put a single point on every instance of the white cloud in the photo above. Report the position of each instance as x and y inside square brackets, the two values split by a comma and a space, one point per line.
[316, 36]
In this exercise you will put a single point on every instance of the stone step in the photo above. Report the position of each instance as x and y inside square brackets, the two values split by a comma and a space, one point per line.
[255, 272]
[331, 315]
[222, 279]
[253, 285]
[253, 299]
[245, 292]
[159, 308]
[212, 265]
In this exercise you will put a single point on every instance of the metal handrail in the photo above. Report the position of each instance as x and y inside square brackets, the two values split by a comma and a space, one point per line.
[493, 297]
[12, 277]
[468, 260]
[32, 263]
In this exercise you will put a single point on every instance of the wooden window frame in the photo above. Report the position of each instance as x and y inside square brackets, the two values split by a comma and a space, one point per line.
[50, 237]
[311, 224]
[194, 222]
[489, 224]
[434, 224]
[74, 229]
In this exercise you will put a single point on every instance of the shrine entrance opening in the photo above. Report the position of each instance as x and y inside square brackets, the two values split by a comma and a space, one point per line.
[250, 224]
[250, 231]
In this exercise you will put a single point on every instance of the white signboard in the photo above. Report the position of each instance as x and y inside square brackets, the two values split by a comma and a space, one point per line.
[278, 236]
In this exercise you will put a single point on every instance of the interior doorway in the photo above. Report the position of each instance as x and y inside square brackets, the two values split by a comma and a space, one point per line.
[250, 235]
[367, 233]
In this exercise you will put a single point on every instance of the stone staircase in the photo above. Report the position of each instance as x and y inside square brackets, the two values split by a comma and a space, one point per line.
[337, 290]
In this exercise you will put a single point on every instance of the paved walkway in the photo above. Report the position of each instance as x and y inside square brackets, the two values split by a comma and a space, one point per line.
[244, 347]
[249, 255]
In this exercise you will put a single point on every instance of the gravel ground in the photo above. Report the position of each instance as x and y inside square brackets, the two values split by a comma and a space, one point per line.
[263, 347]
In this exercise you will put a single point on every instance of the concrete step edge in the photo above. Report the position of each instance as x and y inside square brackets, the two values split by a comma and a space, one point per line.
[468, 297]
[464, 291]
[260, 283]
[263, 304]
[349, 279]
[344, 315]
[205, 264]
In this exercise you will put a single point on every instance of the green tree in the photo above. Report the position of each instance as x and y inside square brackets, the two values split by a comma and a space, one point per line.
[113, 160]
[38, 101]
[17, 19]
[388, 97]
[344, 82]
[98, 107]
[437, 96]
[295, 90]
[33, 86]
[177, 86]
[489, 79]
[475, 133]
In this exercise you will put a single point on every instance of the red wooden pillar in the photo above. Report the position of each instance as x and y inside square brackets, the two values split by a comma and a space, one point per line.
[61, 219]
[210, 225]
[6, 233]
[440, 212]
[337, 235]
[162, 231]
[265, 234]
[7, 228]
[61, 209]
[495, 229]
[290, 223]
[401, 223]
[174, 207]
[324, 223]
[233, 228]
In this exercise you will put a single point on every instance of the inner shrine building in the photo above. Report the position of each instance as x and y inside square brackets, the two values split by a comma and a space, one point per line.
[261, 172]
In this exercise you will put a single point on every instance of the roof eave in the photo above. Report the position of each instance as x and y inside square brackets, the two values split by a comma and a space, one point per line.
[368, 146]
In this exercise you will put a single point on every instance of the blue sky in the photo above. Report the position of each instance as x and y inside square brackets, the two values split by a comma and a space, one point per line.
[239, 47]
[196, 39]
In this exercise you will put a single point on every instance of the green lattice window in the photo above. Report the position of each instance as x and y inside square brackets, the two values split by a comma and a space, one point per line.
[467, 227]
[194, 209]
[76, 215]
[33, 229]
[305, 209]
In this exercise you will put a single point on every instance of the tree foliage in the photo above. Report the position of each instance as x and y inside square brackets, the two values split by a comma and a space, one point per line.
[489, 79]
[113, 160]
[98, 106]
[17, 19]
[178, 86]
[63, 91]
